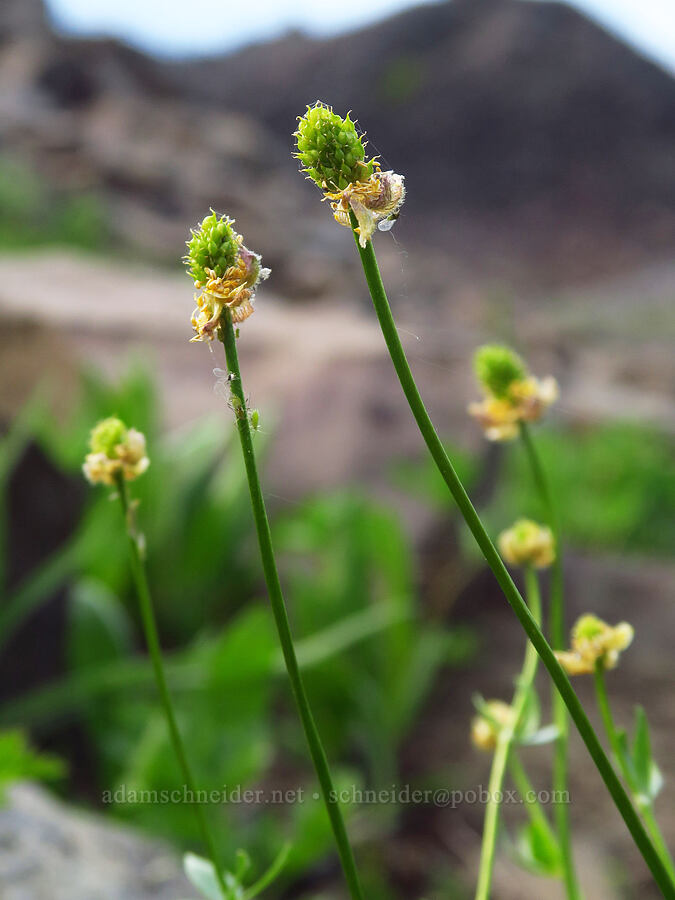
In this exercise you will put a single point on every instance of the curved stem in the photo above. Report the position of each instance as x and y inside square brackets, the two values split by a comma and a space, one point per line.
[644, 804]
[152, 639]
[504, 743]
[527, 792]
[557, 632]
[262, 526]
[445, 467]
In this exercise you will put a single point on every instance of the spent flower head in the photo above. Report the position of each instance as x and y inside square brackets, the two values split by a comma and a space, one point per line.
[333, 156]
[224, 271]
[511, 394]
[115, 450]
[485, 727]
[594, 641]
[526, 543]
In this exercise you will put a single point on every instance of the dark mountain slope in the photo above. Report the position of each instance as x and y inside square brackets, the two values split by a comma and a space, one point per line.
[486, 105]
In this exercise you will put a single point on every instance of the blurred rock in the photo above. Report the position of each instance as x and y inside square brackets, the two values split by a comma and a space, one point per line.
[49, 851]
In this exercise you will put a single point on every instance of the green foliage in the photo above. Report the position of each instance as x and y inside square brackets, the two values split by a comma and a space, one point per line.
[18, 761]
[614, 486]
[34, 213]
[214, 245]
[497, 367]
[351, 586]
[201, 873]
[637, 761]
[537, 850]
[330, 149]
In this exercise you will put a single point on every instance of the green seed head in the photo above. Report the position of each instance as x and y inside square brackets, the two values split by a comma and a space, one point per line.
[108, 434]
[497, 367]
[333, 155]
[214, 245]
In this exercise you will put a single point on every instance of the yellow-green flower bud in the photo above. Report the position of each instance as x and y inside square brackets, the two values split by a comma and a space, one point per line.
[331, 151]
[225, 272]
[594, 641]
[213, 248]
[107, 435]
[115, 450]
[485, 727]
[527, 543]
[497, 368]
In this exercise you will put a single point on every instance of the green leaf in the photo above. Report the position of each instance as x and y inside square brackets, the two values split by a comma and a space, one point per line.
[642, 753]
[544, 735]
[531, 718]
[201, 874]
[18, 760]
[537, 850]
[99, 627]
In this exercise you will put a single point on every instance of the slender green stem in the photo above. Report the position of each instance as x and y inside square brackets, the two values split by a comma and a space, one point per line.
[152, 639]
[280, 614]
[557, 633]
[491, 823]
[504, 743]
[500, 572]
[528, 793]
[644, 803]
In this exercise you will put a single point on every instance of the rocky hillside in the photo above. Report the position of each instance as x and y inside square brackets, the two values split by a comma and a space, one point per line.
[537, 148]
[489, 107]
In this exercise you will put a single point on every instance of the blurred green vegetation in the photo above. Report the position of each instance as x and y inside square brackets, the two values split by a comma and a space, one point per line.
[349, 571]
[348, 568]
[34, 213]
[614, 485]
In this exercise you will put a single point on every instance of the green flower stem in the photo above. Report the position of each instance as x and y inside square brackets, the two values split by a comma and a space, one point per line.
[505, 740]
[527, 792]
[557, 632]
[500, 572]
[152, 639]
[280, 614]
[644, 803]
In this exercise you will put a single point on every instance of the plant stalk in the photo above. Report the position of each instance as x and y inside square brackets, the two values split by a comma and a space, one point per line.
[317, 752]
[152, 640]
[505, 740]
[534, 633]
[644, 804]
[557, 636]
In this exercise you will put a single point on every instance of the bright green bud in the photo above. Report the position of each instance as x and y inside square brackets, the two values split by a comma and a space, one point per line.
[332, 153]
[497, 367]
[108, 434]
[588, 627]
[213, 245]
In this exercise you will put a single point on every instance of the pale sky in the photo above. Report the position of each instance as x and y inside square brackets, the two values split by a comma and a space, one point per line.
[188, 27]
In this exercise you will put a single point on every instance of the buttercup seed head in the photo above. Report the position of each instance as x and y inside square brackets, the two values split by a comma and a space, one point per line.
[485, 728]
[331, 151]
[497, 367]
[527, 543]
[115, 450]
[213, 247]
[512, 395]
[106, 436]
[595, 641]
[333, 156]
[224, 271]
